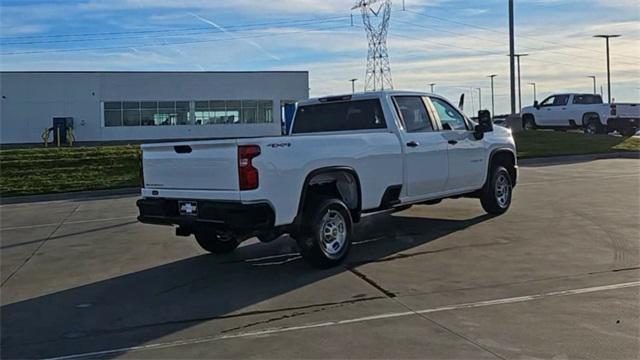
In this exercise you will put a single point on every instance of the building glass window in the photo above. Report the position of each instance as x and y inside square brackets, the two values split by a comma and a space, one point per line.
[205, 112]
[265, 111]
[113, 118]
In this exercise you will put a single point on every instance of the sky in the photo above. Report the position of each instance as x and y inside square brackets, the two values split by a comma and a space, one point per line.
[455, 44]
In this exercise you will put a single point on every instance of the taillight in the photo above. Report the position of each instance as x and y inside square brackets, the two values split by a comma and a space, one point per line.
[247, 174]
[141, 175]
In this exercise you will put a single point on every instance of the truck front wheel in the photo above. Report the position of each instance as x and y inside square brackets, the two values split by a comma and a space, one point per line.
[325, 239]
[496, 194]
[216, 243]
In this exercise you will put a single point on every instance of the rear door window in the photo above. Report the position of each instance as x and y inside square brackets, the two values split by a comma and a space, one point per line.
[339, 116]
[587, 99]
[413, 113]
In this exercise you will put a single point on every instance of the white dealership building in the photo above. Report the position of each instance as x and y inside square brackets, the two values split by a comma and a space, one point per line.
[142, 106]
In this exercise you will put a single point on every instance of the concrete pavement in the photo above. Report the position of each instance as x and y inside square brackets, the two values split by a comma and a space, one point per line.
[557, 276]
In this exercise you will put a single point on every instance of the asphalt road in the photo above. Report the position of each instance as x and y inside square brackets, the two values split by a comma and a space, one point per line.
[558, 276]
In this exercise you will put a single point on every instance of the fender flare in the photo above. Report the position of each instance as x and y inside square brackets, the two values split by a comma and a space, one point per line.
[492, 155]
[325, 170]
[588, 115]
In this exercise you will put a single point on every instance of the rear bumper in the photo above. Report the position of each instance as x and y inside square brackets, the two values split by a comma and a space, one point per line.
[223, 214]
[623, 123]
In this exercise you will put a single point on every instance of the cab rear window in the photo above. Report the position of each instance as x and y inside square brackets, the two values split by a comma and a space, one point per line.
[339, 116]
[587, 99]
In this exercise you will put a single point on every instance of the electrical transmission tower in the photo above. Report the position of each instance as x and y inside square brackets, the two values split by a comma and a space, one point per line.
[375, 15]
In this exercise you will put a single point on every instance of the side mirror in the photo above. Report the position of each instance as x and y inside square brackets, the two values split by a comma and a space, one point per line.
[536, 104]
[485, 124]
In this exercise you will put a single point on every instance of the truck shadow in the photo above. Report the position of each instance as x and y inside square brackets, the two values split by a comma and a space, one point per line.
[143, 306]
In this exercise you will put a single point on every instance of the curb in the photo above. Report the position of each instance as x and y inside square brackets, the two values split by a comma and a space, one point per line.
[78, 195]
[552, 160]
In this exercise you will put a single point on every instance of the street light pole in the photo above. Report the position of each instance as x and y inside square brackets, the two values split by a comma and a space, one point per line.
[512, 65]
[353, 85]
[493, 98]
[535, 95]
[518, 56]
[433, 85]
[607, 37]
[594, 83]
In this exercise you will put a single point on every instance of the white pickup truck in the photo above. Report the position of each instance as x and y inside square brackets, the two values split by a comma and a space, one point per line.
[586, 111]
[345, 156]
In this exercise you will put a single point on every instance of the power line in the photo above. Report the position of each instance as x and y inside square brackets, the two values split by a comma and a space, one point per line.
[170, 30]
[529, 49]
[182, 32]
[504, 33]
[500, 53]
[537, 50]
[168, 43]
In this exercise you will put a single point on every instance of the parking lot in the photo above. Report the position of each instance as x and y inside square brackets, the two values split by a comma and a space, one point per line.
[558, 276]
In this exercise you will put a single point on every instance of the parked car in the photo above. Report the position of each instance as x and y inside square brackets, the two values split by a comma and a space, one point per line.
[345, 157]
[586, 111]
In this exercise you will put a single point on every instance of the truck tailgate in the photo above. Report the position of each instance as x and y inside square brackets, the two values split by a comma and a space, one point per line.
[627, 110]
[197, 165]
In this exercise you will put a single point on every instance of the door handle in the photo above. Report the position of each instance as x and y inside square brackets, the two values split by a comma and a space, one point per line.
[412, 144]
[452, 142]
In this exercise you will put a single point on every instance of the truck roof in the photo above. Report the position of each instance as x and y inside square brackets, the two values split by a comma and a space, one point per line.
[363, 96]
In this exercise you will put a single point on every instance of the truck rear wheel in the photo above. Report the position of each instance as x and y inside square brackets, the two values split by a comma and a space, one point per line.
[592, 125]
[325, 239]
[216, 243]
[496, 194]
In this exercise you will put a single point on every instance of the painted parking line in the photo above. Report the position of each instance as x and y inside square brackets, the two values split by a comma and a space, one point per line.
[331, 323]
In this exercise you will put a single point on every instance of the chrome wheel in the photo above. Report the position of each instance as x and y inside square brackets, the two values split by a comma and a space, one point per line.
[333, 233]
[503, 190]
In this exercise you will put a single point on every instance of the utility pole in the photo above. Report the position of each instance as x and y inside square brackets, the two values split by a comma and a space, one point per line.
[594, 83]
[518, 56]
[512, 65]
[493, 97]
[607, 37]
[480, 98]
[535, 96]
[353, 85]
[433, 86]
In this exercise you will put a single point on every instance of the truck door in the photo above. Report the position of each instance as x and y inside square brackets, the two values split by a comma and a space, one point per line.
[553, 111]
[425, 161]
[466, 154]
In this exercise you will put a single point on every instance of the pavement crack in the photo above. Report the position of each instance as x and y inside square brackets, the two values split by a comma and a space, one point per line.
[369, 281]
[420, 253]
[283, 317]
[299, 312]
[40, 246]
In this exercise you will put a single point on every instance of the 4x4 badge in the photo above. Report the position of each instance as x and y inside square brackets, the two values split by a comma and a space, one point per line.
[279, 145]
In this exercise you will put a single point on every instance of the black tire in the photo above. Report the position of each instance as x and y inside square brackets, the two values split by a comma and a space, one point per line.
[592, 126]
[628, 131]
[325, 239]
[494, 200]
[529, 123]
[216, 243]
